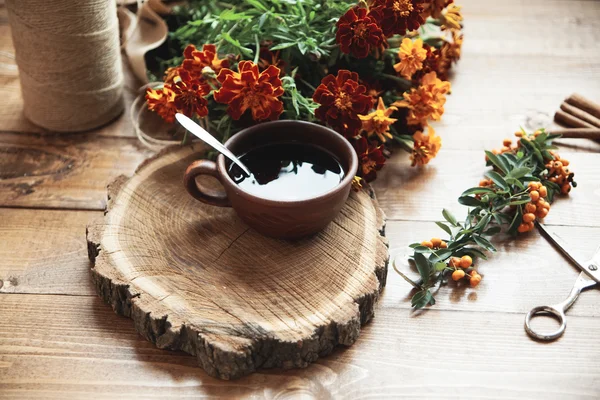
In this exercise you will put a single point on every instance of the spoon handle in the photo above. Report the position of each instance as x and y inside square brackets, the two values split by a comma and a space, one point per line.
[209, 139]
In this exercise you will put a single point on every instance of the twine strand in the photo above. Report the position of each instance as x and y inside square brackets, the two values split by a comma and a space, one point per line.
[69, 61]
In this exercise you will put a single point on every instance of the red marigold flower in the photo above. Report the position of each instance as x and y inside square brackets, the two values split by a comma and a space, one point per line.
[161, 101]
[189, 95]
[398, 16]
[268, 58]
[370, 159]
[342, 98]
[195, 60]
[357, 32]
[251, 89]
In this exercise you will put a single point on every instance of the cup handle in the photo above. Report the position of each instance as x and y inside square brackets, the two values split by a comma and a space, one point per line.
[199, 192]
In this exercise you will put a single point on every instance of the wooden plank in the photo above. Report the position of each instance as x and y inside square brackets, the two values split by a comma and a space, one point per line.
[421, 193]
[44, 251]
[73, 347]
[65, 171]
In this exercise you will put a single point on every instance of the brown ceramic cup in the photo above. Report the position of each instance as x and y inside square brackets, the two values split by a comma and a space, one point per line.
[275, 218]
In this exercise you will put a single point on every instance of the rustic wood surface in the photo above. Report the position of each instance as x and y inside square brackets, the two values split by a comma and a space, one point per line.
[520, 60]
[194, 277]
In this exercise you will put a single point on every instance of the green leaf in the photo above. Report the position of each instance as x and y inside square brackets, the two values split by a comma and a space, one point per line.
[449, 217]
[521, 201]
[483, 242]
[439, 266]
[519, 172]
[257, 4]
[283, 46]
[422, 249]
[496, 161]
[422, 298]
[445, 227]
[512, 229]
[497, 179]
[413, 245]
[477, 190]
[483, 222]
[492, 230]
[473, 252]
[440, 255]
[470, 201]
[423, 266]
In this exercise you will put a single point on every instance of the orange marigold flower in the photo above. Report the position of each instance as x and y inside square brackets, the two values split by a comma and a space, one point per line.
[449, 53]
[358, 32]
[427, 101]
[378, 122]
[370, 159]
[398, 16]
[425, 148]
[189, 95]
[195, 60]
[433, 8]
[251, 89]
[161, 101]
[452, 17]
[342, 98]
[412, 54]
[171, 73]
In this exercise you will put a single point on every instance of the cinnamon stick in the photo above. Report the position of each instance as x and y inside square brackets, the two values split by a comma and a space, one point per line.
[584, 104]
[563, 118]
[577, 133]
[581, 114]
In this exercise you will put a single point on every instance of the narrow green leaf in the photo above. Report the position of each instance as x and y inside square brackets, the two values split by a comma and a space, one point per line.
[495, 161]
[413, 245]
[470, 201]
[423, 266]
[519, 172]
[521, 201]
[449, 217]
[483, 222]
[445, 227]
[497, 179]
[439, 266]
[283, 46]
[472, 252]
[512, 229]
[483, 242]
[440, 255]
[492, 230]
[422, 298]
[477, 190]
[257, 4]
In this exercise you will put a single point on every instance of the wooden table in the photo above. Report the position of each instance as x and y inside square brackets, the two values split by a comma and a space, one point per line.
[520, 58]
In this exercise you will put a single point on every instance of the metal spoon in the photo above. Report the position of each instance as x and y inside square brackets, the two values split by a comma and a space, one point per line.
[209, 139]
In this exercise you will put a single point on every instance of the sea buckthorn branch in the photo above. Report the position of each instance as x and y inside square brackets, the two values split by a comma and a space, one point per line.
[523, 182]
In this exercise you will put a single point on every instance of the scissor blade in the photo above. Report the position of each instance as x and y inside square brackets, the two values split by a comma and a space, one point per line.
[563, 246]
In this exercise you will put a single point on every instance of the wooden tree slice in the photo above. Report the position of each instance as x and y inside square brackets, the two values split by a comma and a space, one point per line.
[195, 278]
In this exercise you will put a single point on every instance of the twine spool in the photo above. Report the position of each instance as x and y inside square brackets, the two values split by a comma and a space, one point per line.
[69, 62]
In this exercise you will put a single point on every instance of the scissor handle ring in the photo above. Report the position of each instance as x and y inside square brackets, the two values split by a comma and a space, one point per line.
[542, 310]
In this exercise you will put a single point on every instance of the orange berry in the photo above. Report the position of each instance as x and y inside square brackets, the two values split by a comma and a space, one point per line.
[543, 191]
[553, 179]
[519, 134]
[458, 275]
[564, 162]
[436, 242]
[537, 133]
[466, 261]
[530, 208]
[542, 212]
[530, 225]
[565, 189]
[535, 195]
[505, 149]
[557, 165]
[474, 281]
[506, 142]
[443, 245]
[454, 262]
[427, 243]
[483, 182]
[524, 227]
[529, 217]
[496, 151]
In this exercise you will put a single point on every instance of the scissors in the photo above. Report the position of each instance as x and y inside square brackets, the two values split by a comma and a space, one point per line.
[589, 276]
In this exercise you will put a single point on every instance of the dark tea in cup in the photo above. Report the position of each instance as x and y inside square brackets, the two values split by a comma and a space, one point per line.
[288, 171]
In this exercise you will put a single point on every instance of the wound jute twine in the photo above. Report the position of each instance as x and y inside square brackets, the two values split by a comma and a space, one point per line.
[69, 62]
